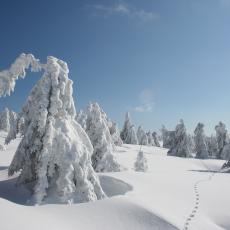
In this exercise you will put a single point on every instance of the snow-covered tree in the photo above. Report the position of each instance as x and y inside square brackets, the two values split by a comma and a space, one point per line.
[141, 162]
[212, 146]
[222, 138]
[131, 137]
[155, 139]
[191, 143]
[103, 159]
[164, 136]
[115, 133]
[150, 139]
[180, 147]
[141, 136]
[128, 133]
[168, 138]
[200, 142]
[13, 130]
[17, 126]
[21, 125]
[54, 156]
[81, 119]
[5, 120]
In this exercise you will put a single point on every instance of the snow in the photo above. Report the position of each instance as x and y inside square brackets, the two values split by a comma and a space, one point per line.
[161, 198]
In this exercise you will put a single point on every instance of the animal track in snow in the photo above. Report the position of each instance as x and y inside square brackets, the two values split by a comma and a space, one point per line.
[197, 199]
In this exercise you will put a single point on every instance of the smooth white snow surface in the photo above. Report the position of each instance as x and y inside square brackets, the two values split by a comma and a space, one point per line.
[162, 198]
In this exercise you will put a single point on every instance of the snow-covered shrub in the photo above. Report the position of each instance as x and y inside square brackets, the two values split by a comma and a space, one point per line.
[155, 139]
[5, 119]
[180, 148]
[54, 156]
[222, 138]
[200, 142]
[141, 136]
[98, 132]
[141, 162]
[81, 119]
[128, 133]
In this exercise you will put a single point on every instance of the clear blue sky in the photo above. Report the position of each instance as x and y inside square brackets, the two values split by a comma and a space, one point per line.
[160, 59]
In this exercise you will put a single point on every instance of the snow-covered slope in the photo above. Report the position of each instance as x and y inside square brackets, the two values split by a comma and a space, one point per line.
[162, 198]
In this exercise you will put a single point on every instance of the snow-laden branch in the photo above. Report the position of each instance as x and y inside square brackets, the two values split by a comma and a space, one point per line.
[17, 70]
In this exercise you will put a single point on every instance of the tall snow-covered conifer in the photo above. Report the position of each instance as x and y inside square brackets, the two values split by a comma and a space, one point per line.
[200, 142]
[168, 138]
[155, 139]
[103, 159]
[115, 133]
[222, 138]
[13, 130]
[180, 147]
[128, 133]
[212, 146]
[54, 156]
[5, 119]
[150, 138]
[141, 136]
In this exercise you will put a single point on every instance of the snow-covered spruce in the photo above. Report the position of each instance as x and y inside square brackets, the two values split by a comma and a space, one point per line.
[155, 139]
[13, 130]
[180, 148]
[200, 142]
[5, 119]
[212, 146]
[221, 137]
[128, 133]
[17, 125]
[141, 162]
[115, 133]
[141, 136]
[191, 143]
[54, 156]
[20, 125]
[150, 138]
[81, 119]
[103, 159]
[113, 129]
[168, 138]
